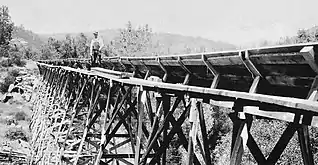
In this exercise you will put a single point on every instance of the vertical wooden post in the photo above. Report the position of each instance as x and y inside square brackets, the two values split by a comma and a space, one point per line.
[303, 131]
[237, 145]
[155, 126]
[166, 107]
[204, 134]
[103, 135]
[139, 129]
[303, 136]
[192, 119]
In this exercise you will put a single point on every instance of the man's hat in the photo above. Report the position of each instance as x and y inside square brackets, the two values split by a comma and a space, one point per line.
[95, 32]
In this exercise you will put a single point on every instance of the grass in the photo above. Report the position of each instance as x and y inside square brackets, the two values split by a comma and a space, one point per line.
[10, 134]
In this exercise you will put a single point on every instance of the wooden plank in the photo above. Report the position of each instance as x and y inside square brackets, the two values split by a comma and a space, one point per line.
[112, 72]
[284, 116]
[281, 48]
[278, 59]
[281, 101]
[278, 100]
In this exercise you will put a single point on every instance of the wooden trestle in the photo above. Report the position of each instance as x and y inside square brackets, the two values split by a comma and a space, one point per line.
[102, 115]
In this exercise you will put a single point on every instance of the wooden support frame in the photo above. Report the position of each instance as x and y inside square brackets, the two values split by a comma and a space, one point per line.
[165, 76]
[249, 64]
[216, 75]
[121, 63]
[154, 146]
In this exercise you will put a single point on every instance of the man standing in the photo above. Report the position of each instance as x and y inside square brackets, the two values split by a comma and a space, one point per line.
[95, 49]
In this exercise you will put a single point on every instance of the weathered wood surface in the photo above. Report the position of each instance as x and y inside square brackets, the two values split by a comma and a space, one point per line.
[301, 104]
[129, 109]
[289, 69]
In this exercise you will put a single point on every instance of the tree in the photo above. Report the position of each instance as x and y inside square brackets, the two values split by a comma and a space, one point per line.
[131, 42]
[68, 48]
[82, 47]
[303, 36]
[51, 50]
[6, 28]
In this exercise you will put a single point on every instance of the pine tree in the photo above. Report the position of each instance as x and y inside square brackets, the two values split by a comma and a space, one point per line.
[6, 28]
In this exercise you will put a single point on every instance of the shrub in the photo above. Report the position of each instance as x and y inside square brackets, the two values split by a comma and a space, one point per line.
[19, 62]
[16, 133]
[6, 83]
[20, 115]
[8, 80]
[16, 58]
[6, 63]
[14, 73]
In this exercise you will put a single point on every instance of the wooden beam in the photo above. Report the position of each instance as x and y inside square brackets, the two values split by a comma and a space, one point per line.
[121, 63]
[192, 134]
[123, 155]
[120, 144]
[255, 150]
[237, 149]
[91, 109]
[166, 107]
[309, 54]
[157, 133]
[139, 128]
[281, 144]
[306, 152]
[281, 101]
[103, 134]
[249, 64]
[255, 84]
[176, 129]
[164, 79]
[74, 111]
[204, 134]
[303, 132]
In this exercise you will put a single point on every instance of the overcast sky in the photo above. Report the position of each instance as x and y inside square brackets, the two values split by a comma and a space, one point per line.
[235, 21]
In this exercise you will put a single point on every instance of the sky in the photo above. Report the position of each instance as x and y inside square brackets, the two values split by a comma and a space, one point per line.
[238, 22]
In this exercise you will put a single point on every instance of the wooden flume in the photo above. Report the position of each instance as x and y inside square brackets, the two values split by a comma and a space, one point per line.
[116, 113]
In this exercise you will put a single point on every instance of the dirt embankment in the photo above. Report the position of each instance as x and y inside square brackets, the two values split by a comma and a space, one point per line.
[16, 112]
